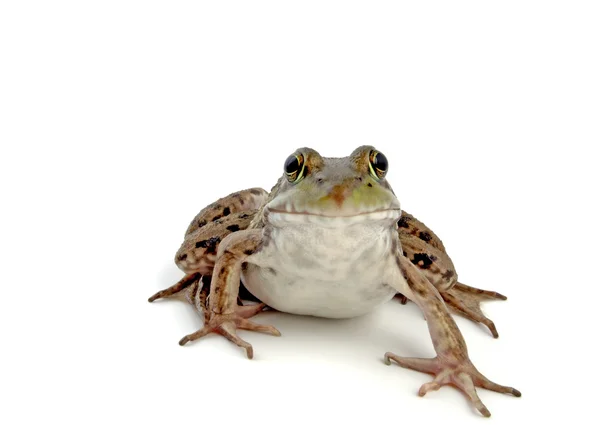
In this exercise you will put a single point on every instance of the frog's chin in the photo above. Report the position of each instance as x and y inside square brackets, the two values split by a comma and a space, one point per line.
[281, 218]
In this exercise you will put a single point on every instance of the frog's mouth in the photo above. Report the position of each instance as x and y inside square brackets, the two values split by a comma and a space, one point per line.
[331, 218]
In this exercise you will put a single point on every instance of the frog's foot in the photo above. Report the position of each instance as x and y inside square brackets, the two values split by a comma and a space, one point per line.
[465, 301]
[193, 288]
[186, 282]
[459, 373]
[227, 325]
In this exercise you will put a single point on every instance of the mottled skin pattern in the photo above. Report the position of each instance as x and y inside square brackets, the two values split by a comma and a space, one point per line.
[224, 236]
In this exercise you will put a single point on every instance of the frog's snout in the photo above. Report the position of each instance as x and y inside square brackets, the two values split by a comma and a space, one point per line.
[359, 195]
[356, 190]
[339, 193]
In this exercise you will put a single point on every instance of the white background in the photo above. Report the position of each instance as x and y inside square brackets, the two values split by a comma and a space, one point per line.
[120, 120]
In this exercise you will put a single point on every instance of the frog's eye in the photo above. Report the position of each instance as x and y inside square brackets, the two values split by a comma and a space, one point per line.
[294, 168]
[378, 164]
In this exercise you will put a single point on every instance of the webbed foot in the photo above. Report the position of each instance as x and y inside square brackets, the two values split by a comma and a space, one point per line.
[465, 301]
[457, 372]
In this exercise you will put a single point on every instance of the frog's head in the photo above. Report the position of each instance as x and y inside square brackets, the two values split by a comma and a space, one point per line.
[349, 189]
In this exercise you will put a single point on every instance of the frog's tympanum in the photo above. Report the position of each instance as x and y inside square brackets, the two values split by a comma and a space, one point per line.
[329, 240]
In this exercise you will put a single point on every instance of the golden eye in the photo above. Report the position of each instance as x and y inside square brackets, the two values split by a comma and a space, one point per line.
[378, 164]
[294, 168]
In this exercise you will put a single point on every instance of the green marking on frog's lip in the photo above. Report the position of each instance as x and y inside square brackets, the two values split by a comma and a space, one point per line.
[354, 200]
[361, 197]
[370, 196]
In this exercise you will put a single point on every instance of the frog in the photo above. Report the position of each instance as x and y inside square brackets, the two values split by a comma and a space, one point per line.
[329, 240]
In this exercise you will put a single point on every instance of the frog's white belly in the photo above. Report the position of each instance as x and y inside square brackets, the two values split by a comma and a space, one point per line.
[335, 272]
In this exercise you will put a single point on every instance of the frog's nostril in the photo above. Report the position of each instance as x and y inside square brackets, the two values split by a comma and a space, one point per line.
[320, 180]
[182, 257]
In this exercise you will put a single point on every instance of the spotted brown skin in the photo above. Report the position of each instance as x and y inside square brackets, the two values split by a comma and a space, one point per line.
[237, 230]
[211, 225]
[409, 225]
[242, 201]
[426, 251]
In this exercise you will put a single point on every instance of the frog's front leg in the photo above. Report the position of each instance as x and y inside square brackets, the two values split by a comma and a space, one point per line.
[452, 365]
[225, 315]
[426, 251]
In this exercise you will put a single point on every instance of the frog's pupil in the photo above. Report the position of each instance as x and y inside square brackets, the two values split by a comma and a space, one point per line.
[380, 162]
[292, 164]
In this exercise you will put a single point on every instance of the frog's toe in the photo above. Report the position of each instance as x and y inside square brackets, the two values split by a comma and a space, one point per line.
[184, 283]
[466, 301]
[194, 336]
[415, 363]
[252, 326]
[228, 330]
[480, 294]
[247, 311]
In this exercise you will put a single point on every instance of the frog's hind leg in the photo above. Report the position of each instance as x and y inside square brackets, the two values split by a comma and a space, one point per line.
[193, 288]
[175, 290]
[426, 251]
[244, 200]
[465, 301]
[410, 225]
[230, 214]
